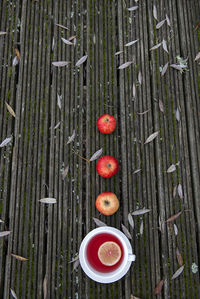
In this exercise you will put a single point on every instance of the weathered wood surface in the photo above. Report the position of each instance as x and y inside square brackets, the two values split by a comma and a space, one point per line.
[31, 165]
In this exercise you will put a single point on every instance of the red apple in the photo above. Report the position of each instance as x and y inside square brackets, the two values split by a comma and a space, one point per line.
[107, 166]
[107, 203]
[106, 123]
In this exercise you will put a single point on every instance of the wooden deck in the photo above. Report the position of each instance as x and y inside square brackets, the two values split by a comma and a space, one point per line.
[31, 164]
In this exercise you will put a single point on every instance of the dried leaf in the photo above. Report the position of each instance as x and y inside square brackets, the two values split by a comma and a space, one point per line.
[15, 61]
[10, 109]
[1, 221]
[76, 264]
[61, 26]
[137, 170]
[60, 63]
[133, 297]
[156, 47]
[5, 141]
[142, 113]
[178, 272]
[96, 155]
[133, 8]
[134, 90]
[164, 44]
[17, 54]
[99, 222]
[119, 52]
[174, 191]
[155, 15]
[126, 232]
[175, 229]
[130, 220]
[168, 20]
[141, 228]
[151, 137]
[178, 67]
[140, 78]
[159, 287]
[48, 200]
[174, 217]
[65, 172]
[131, 43]
[72, 37]
[180, 191]
[160, 24]
[13, 293]
[179, 257]
[45, 287]
[161, 106]
[125, 65]
[2, 33]
[74, 259]
[66, 41]
[19, 258]
[194, 268]
[178, 115]
[59, 101]
[171, 168]
[56, 126]
[5, 233]
[165, 67]
[197, 57]
[140, 212]
[82, 60]
[72, 137]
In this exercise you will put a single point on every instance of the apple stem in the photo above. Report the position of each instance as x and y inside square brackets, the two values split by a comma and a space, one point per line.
[80, 156]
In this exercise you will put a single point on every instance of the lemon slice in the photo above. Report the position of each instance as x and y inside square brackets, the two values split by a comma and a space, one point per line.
[109, 253]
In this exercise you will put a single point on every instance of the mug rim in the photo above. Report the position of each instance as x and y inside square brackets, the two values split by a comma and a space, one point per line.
[104, 277]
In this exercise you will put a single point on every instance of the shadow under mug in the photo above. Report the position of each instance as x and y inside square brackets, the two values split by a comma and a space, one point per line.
[124, 266]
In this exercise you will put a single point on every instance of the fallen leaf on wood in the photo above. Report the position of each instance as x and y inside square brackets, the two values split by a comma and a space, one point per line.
[178, 115]
[156, 47]
[126, 232]
[71, 138]
[161, 106]
[60, 63]
[142, 113]
[164, 43]
[133, 297]
[5, 233]
[74, 259]
[178, 272]
[179, 257]
[65, 172]
[66, 41]
[45, 287]
[174, 217]
[119, 52]
[125, 65]
[151, 137]
[56, 126]
[5, 141]
[141, 228]
[159, 287]
[197, 57]
[19, 258]
[171, 168]
[175, 229]
[2, 33]
[10, 109]
[174, 191]
[130, 220]
[15, 61]
[160, 24]
[140, 212]
[177, 67]
[61, 26]
[76, 264]
[180, 191]
[165, 67]
[155, 15]
[168, 20]
[99, 222]
[96, 155]
[48, 200]
[13, 293]
[59, 101]
[1, 221]
[140, 78]
[134, 90]
[137, 170]
[133, 8]
[82, 60]
[131, 43]
[72, 37]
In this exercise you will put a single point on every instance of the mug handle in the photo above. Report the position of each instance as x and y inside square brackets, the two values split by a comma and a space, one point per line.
[131, 257]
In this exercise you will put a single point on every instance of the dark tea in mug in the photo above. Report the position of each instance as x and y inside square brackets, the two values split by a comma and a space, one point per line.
[96, 245]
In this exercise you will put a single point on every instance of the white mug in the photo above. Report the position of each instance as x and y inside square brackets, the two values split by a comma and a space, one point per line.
[116, 274]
